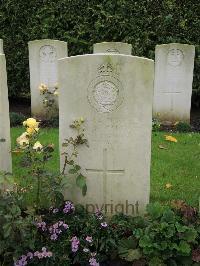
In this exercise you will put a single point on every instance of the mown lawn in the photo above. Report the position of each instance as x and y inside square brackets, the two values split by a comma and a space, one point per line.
[177, 164]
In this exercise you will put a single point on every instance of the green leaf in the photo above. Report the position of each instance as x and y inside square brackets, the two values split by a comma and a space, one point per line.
[7, 230]
[133, 254]
[84, 190]
[81, 181]
[155, 210]
[72, 171]
[184, 248]
[156, 262]
[190, 235]
[77, 167]
[169, 216]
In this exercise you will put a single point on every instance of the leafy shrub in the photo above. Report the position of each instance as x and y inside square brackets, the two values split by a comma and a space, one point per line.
[156, 125]
[16, 119]
[182, 127]
[142, 23]
[51, 122]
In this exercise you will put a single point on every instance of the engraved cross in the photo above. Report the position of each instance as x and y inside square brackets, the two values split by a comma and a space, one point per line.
[105, 171]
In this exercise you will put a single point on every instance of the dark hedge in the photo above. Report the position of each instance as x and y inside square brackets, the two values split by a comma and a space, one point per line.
[143, 23]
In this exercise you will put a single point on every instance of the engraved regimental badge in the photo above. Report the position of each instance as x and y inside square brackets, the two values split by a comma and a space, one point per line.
[175, 57]
[48, 53]
[105, 92]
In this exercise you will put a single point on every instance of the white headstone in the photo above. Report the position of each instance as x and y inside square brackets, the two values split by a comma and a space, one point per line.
[114, 93]
[5, 147]
[1, 47]
[43, 56]
[112, 48]
[174, 65]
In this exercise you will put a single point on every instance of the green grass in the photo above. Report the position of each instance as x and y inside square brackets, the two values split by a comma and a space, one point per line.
[178, 164]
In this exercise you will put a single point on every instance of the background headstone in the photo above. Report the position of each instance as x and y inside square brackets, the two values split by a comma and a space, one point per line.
[174, 65]
[114, 93]
[5, 147]
[43, 56]
[112, 48]
[1, 47]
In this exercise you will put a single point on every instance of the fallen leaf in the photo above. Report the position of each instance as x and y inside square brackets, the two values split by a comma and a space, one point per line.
[170, 138]
[162, 147]
[168, 185]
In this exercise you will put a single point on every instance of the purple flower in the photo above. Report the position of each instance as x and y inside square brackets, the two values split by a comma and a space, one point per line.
[69, 207]
[23, 260]
[42, 226]
[93, 262]
[99, 214]
[89, 239]
[54, 237]
[65, 226]
[104, 224]
[36, 253]
[74, 243]
[30, 255]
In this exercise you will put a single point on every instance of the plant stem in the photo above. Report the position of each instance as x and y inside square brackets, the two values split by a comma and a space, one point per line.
[38, 193]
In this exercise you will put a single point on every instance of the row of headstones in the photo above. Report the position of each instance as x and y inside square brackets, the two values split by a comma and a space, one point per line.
[114, 92]
[174, 65]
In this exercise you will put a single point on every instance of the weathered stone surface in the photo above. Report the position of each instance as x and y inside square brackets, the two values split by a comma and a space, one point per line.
[43, 56]
[5, 147]
[174, 65]
[114, 94]
[112, 48]
[1, 47]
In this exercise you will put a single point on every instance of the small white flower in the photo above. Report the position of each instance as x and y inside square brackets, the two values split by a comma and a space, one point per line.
[37, 146]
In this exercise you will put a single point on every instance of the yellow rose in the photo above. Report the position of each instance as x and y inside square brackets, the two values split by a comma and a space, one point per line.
[43, 87]
[31, 122]
[37, 146]
[31, 130]
[23, 140]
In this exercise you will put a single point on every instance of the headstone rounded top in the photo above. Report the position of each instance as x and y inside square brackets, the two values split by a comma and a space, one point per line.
[112, 48]
[46, 41]
[78, 57]
[176, 50]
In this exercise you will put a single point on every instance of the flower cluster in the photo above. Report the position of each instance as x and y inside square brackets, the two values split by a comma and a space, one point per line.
[42, 226]
[54, 230]
[25, 259]
[68, 207]
[100, 217]
[75, 244]
[32, 127]
[93, 262]
[77, 123]
[43, 88]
